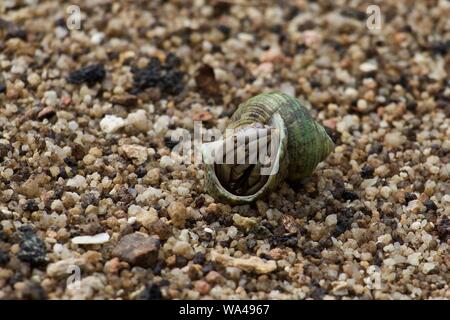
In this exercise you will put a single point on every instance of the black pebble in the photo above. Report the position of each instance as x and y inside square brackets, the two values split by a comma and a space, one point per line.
[3, 235]
[411, 106]
[443, 229]
[376, 148]
[199, 258]
[441, 48]
[409, 196]
[344, 221]
[225, 30]
[31, 205]
[151, 292]
[2, 88]
[4, 258]
[349, 195]
[169, 143]
[15, 32]
[155, 74]
[32, 248]
[367, 171]
[333, 134]
[180, 261]
[430, 205]
[141, 171]
[90, 74]
[251, 243]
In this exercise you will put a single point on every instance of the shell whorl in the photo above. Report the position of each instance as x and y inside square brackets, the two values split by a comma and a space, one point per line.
[303, 143]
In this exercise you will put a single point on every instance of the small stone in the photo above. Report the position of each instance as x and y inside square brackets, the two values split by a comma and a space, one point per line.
[204, 116]
[166, 161]
[34, 79]
[97, 239]
[331, 220]
[183, 249]
[394, 139]
[89, 159]
[146, 218]
[430, 205]
[32, 248]
[50, 98]
[410, 197]
[177, 213]
[149, 195]
[4, 258]
[64, 268]
[416, 225]
[151, 292]
[368, 66]
[135, 152]
[288, 89]
[202, 287]
[111, 123]
[97, 38]
[30, 188]
[262, 207]
[289, 223]
[90, 74]
[385, 239]
[162, 124]
[125, 99]
[244, 222]
[46, 113]
[413, 259]
[138, 121]
[152, 176]
[367, 171]
[252, 264]
[428, 267]
[78, 182]
[385, 192]
[161, 229]
[138, 250]
[214, 277]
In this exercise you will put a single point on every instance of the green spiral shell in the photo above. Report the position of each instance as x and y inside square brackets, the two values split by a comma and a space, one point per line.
[303, 144]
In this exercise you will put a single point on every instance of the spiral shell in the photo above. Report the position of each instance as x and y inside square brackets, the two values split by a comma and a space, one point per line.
[302, 144]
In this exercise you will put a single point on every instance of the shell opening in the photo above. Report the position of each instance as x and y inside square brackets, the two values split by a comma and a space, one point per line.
[249, 160]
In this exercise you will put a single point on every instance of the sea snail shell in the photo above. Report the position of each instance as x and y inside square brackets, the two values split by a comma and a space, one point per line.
[301, 144]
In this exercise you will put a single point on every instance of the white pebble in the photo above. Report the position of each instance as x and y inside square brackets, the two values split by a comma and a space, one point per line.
[166, 161]
[50, 98]
[111, 123]
[413, 259]
[78, 182]
[288, 89]
[416, 225]
[97, 239]
[427, 267]
[368, 66]
[394, 139]
[331, 220]
[161, 124]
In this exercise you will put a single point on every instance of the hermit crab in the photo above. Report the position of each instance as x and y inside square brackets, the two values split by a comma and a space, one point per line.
[270, 137]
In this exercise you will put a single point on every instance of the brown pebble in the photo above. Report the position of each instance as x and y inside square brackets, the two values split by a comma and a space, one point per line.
[177, 213]
[202, 287]
[138, 249]
[46, 113]
[161, 229]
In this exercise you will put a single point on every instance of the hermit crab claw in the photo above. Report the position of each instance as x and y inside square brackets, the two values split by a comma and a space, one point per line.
[245, 164]
[269, 136]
